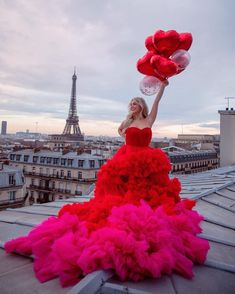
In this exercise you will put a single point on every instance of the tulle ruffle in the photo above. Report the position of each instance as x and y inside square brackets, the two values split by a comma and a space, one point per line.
[136, 242]
[139, 173]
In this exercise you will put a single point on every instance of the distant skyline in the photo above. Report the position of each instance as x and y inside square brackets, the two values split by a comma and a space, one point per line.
[41, 42]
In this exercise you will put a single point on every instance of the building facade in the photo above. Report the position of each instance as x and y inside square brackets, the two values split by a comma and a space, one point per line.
[188, 162]
[227, 133]
[12, 187]
[53, 175]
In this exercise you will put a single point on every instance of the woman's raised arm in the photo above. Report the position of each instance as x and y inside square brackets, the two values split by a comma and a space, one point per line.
[153, 113]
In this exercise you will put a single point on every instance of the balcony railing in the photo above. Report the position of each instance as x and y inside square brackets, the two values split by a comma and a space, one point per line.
[50, 189]
[65, 191]
[9, 187]
[41, 188]
[60, 178]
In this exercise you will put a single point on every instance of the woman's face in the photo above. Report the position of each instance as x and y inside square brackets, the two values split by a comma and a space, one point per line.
[135, 108]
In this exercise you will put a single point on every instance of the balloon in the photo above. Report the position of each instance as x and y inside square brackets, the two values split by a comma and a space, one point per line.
[167, 56]
[181, 58]
[163, 66]
[166, 42]
[149, 43]
[150, 85]
[144, 66]
[186, 40]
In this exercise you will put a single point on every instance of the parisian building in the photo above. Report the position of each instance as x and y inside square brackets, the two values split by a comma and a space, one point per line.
[12, 187]
[51, 175]
[188, 162]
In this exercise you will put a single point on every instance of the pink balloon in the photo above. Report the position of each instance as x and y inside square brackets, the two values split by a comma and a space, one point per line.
[181, 58]
[150, 85]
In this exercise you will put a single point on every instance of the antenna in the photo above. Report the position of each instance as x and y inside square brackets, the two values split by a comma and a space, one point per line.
[228, 98]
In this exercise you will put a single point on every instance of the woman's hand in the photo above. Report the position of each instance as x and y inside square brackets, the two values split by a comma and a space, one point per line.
[153, 113]
[165, 83]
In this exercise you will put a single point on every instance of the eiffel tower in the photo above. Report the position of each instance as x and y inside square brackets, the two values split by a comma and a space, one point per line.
[72, 129]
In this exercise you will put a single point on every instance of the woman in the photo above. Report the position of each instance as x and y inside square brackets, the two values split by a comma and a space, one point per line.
[138, 112]
[136, 225]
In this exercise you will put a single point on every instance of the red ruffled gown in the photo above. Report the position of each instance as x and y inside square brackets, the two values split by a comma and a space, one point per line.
[136, 225]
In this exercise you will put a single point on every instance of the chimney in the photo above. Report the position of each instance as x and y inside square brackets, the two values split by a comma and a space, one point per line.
[227, 137]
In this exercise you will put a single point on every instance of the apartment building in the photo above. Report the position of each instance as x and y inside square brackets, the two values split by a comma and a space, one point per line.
[188, 162]
[54, 175]
[12, 187]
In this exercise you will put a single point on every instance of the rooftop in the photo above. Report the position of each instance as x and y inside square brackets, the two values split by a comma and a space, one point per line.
[215, 194]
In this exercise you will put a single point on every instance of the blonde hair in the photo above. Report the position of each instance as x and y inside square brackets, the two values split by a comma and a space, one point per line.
[129, 118]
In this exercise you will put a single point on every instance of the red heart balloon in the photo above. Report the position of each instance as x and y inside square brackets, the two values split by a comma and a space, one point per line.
[149, 44]
[144, 66]
[166, 42]
[186, 40]
[165, 67]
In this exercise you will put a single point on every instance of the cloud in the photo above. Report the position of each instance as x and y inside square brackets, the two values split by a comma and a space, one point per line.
[210, 125]
[42, 41]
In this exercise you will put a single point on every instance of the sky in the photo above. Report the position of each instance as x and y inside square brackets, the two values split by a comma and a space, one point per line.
[42, 41]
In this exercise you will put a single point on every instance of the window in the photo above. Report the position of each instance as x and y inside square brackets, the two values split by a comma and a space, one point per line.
[42, 159]
[62, 173]
[70, 162]
[79, 175]
[55, 160]
[12, 195]
[69, 174]
[33, 170]
[40, 170]
[101, 162]
[49, 159]
[26, 158]
[35, 159]
[80, 163]
[63, 161]
[11, 180]
[18, 157]
[92, 163]
[12, 156]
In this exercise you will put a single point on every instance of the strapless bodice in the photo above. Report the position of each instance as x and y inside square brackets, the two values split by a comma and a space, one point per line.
[138, 137]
